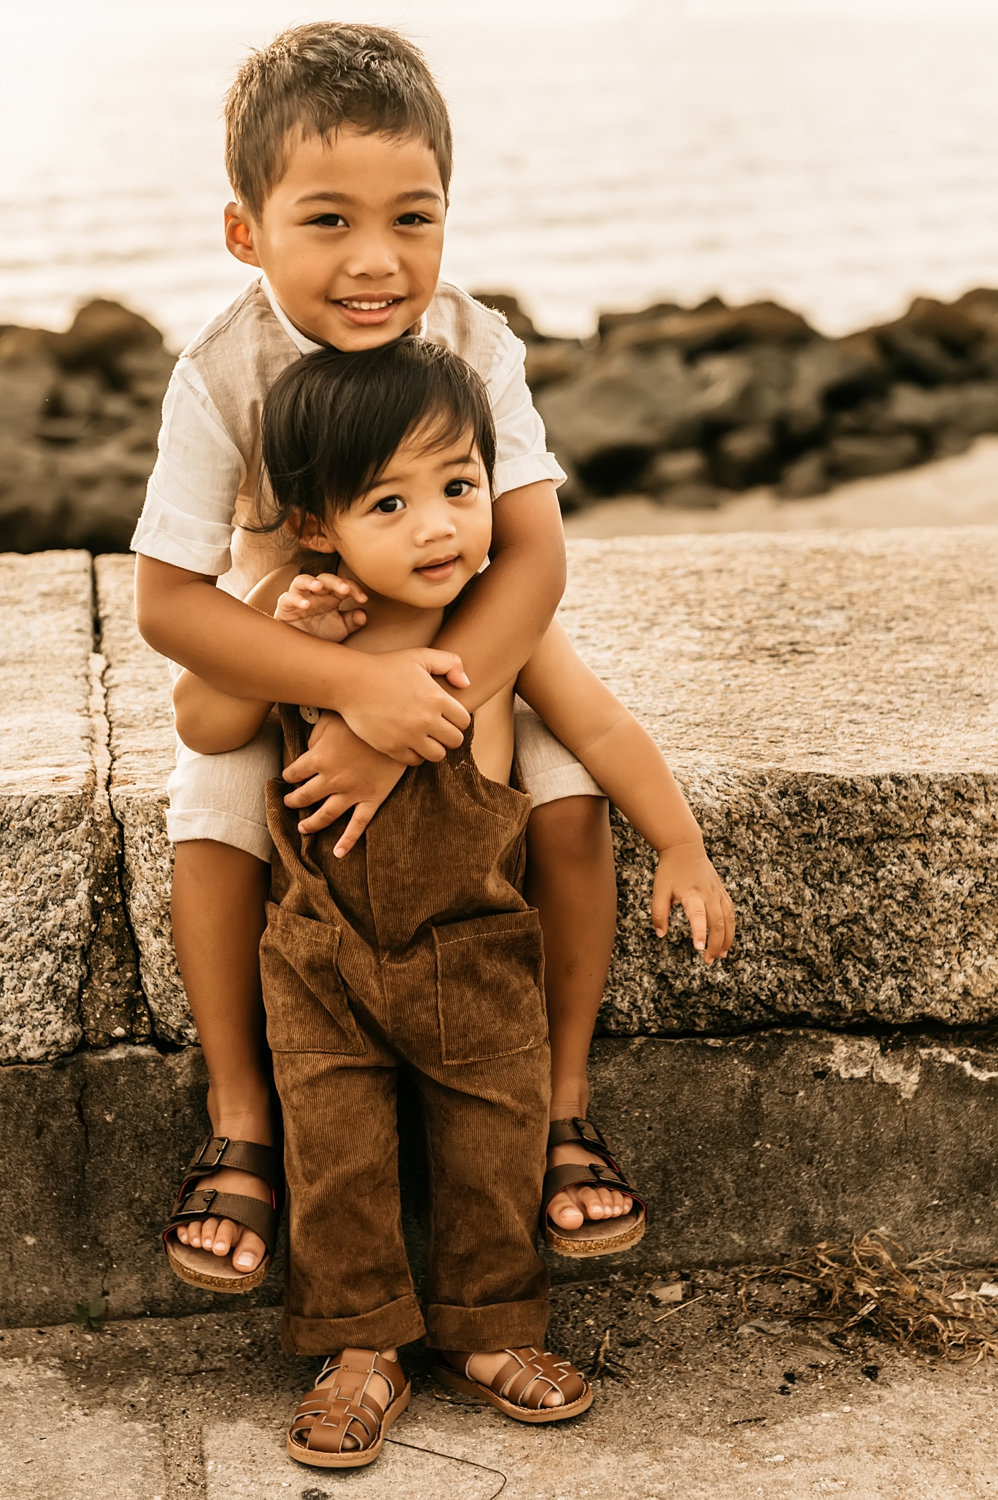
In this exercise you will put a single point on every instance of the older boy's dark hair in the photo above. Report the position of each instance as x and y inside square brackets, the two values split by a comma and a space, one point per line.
[332, 421]
[319, 78]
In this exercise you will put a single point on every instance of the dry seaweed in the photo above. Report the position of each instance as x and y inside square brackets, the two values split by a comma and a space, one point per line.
[929, 1304]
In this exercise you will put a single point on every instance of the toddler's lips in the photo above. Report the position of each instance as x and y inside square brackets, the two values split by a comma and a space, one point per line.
[438, 572]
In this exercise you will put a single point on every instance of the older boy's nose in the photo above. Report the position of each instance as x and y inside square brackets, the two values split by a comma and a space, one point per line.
[372, 255]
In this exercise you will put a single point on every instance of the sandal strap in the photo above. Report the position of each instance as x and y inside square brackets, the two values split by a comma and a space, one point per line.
[590, 1174]
[531, 1374]
[218, 1151]
[334, 1411]
[579, 1131]
[198, 1203]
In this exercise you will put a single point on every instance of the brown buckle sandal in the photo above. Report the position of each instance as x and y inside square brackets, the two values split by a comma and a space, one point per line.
[594, 1236]
[344, 1409]
[200, 1267]
[521, 1384]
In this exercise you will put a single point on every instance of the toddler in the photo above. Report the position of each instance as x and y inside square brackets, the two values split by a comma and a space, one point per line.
[413, 946]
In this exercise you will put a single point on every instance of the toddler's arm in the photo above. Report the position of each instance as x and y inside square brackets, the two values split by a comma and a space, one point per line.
[211, 720]
[584, 714]
[395, 701]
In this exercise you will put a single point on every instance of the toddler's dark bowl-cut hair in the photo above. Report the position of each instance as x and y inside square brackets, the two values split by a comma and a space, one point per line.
[321, 78]
[332, 422]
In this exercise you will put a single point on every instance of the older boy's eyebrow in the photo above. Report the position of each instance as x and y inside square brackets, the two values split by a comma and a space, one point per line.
[418, 195]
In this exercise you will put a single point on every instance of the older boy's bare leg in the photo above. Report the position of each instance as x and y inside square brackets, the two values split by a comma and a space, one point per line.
[218, 919]
[571, 881]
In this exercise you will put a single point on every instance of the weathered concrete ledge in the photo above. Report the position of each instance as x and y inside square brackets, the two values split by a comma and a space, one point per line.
[829, 703]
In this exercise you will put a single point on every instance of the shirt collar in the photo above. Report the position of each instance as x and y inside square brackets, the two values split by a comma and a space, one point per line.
[306, 345]
[302, 344]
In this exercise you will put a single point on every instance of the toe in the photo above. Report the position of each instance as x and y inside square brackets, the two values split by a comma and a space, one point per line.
[249, 1252]
[208, 1231]
[565, 1212]
[591, 1203]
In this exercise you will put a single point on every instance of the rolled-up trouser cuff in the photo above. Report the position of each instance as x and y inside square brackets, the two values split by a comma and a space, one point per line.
[220, 828]
[476, 1330]
[398, 1322]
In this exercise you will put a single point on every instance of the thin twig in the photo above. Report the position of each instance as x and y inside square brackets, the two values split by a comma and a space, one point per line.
[673, 1310]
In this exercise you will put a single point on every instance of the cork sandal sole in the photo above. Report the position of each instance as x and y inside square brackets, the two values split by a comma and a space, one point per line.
[478, 1391]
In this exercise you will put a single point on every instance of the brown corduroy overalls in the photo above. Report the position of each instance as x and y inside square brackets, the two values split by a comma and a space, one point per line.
[417, 950]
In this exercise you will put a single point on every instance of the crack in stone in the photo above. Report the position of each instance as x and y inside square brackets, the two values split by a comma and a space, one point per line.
[112, 1004]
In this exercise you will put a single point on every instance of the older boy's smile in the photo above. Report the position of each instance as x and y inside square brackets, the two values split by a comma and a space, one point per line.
[350, 238]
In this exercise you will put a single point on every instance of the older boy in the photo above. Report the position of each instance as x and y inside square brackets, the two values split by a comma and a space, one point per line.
[339, 153]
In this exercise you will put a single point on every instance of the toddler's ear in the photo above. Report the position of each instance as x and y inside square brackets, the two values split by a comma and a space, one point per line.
[311, 533]
[239, 234]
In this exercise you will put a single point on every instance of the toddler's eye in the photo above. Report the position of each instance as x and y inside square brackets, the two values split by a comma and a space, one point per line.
[457, 488]
[390, 504]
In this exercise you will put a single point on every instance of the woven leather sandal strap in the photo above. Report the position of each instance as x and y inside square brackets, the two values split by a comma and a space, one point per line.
[539, 1375]
[581, 1132]
[218, 1151]
[199, 1203]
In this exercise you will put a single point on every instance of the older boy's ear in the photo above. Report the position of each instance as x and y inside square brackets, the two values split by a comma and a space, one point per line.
[311, 533]
[239, 234]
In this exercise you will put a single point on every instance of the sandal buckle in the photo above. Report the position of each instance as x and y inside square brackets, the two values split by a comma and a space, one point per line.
[199, 1202]
[589, 1132]
[222, 1144]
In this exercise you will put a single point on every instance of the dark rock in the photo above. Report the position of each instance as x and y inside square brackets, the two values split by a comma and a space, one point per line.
[980, 306]
[553, 360]
[861, 455]
[608, 321]
[714, 328]
[918, 356]
[804, 477]
[830, 375]
[746, 456]
[681, 466]
[102, 334]
[519, 322]
[949, 324]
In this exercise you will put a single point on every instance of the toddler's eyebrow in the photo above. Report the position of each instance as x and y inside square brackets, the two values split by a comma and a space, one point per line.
[418, 195]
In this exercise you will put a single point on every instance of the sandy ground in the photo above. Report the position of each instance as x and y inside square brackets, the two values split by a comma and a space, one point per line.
[702, 1400]
[960, 491]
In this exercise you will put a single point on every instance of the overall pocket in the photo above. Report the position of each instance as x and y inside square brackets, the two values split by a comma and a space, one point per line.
[306, 1003]
[490, 986]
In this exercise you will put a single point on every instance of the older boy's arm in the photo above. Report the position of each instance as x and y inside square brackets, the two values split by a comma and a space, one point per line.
[624, 759]
[499, 625]
[393, 701]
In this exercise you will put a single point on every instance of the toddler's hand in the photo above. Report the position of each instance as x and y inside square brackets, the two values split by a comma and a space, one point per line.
[336, 773]
[685, 877]
[324, 606]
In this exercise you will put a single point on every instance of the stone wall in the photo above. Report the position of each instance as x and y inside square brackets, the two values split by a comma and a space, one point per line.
[828, 703]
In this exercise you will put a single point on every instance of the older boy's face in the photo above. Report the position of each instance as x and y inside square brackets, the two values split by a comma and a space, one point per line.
[350, 239]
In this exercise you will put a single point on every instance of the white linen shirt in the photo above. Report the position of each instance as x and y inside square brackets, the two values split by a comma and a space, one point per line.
[207, 469]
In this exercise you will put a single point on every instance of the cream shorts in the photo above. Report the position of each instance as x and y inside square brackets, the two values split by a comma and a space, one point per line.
[221, 797]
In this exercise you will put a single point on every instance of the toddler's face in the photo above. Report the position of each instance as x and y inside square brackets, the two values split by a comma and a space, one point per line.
[423, 530]
[350, 239]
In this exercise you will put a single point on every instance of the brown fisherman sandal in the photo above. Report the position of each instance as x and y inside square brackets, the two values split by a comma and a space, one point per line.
[595, 1236]
[200, 1267]
[520, 1386]
[341, 1411]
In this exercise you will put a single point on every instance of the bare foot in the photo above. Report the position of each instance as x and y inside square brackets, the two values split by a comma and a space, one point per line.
[570, 1208]
[224, 1236]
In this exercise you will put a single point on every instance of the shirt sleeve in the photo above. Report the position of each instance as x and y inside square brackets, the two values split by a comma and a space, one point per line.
[522, 455]
[187, 518]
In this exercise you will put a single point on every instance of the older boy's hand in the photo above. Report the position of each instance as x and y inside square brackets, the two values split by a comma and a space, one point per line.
[340, 771]
[685, 877]
[396, 705]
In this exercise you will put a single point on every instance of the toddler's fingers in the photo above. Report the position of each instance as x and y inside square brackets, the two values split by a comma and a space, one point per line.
[343, 588]
[324, 815]
[661, 907]
[696, 913]
[362, 815]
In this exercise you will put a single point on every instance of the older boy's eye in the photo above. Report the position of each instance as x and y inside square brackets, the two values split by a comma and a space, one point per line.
[390, 504]
[409, 219]
[328, 221]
